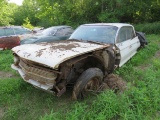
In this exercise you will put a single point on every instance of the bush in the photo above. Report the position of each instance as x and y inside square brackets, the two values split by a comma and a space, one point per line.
[148, 28]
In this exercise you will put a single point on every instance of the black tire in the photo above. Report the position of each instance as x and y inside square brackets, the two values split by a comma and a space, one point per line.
[90, 79]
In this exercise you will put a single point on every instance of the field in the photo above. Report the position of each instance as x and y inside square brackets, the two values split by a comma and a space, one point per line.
[141, 100]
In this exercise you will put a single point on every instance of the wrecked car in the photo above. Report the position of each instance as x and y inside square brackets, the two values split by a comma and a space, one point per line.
[7, 39]
[50, 34]
[92, 52]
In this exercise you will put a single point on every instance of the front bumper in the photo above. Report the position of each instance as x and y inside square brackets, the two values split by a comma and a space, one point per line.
[36, 83]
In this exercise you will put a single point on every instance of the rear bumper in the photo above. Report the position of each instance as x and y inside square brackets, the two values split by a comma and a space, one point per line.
[35, 83]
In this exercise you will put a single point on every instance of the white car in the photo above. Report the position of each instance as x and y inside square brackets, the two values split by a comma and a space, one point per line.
[92, 52]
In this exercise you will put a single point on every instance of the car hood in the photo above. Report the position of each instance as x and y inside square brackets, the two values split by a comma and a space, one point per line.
[52, 54]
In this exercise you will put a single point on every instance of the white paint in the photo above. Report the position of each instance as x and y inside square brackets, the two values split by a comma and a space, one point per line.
[53, 57]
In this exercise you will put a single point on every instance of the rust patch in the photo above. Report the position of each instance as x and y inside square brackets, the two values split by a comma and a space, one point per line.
[40, 52]
[64, 47]
[9, 42]
[59, 47]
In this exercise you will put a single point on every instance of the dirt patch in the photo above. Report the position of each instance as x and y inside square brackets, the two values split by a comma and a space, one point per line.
[157, 54]
[145, 66]
[6, 75]
[115, 82]
[1, 113]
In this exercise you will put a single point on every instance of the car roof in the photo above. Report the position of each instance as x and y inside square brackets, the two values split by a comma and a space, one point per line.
[13, 27]
[60, 27]
[119, 25]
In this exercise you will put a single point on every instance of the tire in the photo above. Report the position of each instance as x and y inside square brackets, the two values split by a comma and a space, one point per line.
[89, 80]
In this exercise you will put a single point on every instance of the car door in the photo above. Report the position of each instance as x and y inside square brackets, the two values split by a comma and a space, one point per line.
[124, 44]
[134, 41]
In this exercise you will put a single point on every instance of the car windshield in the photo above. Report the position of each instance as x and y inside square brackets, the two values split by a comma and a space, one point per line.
[49, 31]
[105, 34]
[19, 31]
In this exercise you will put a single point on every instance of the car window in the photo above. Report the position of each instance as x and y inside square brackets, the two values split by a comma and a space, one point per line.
[97, 33]
[59, 32]
[9, 31]
[125, 33]
[64, 32]
[68, 31]
[49, 31]
[2, 32]
[130, 33]
[19, 31]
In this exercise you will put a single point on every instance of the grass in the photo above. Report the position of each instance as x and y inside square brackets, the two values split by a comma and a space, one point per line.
[19, 100]
[148, 28]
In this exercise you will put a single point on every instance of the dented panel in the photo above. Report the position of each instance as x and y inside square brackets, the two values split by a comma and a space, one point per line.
[52, 54]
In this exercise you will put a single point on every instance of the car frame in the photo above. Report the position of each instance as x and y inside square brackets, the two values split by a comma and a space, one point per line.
[81, 63]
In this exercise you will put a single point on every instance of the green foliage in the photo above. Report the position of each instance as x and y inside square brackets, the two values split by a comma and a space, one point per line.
[6, 59]
[6, 13]
[27, 24]
[75, 12]
[149, 28]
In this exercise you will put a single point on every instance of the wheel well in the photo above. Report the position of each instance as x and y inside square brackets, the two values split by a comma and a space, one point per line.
[82, 65]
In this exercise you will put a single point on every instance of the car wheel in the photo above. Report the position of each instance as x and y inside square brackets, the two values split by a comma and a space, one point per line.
[88, 82]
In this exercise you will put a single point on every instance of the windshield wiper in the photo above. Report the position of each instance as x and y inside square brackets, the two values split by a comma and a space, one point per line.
[94, 42]
[81, 40]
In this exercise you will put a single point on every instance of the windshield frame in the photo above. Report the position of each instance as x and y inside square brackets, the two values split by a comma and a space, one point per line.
[48, 31]
[86, 31]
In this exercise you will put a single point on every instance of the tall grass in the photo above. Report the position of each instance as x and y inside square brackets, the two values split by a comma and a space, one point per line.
[148, 28]
[6, 59]
[140, 102]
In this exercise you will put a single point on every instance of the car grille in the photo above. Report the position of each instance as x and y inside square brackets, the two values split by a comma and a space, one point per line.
[37, 73]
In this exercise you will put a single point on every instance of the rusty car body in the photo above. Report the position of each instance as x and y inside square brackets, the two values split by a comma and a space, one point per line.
[7, 39]
[9, 42]
[92, 52]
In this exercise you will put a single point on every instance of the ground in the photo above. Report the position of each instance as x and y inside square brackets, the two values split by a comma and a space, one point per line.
[19, 100]
[6, 75]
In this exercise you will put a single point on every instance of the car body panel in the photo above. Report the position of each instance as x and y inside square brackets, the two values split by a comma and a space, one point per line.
[127, 42]
[52, 54]
[9, 42]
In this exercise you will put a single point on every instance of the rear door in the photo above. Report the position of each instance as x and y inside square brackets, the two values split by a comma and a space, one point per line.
[127, 43]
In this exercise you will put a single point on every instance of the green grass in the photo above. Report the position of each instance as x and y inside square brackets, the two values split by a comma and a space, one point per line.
[141, 101]
[5, 60]
[148, 28]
